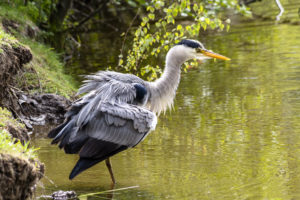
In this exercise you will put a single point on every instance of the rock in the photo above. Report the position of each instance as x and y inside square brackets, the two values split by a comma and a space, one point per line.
[39, 109]
[60, 195]
[64, 195]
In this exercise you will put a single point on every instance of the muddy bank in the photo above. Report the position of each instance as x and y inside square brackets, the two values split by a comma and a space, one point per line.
[14, 127]
[12, 58]
[18, 177]
[32, 109]
[41, 109]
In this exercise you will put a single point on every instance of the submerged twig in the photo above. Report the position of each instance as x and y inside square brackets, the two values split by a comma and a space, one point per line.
[281, 10]
[108, 191]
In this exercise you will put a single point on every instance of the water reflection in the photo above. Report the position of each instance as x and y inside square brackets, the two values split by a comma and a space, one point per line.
[234, 132]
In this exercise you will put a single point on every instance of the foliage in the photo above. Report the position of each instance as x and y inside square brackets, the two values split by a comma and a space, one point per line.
[163, 25]
[9, 144]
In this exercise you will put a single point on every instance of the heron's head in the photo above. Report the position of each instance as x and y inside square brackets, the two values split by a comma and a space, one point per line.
[192, 49]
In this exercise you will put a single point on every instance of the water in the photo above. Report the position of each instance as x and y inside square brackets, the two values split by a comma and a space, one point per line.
[234, 132]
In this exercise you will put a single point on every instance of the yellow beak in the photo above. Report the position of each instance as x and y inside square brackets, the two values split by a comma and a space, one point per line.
[214, 55]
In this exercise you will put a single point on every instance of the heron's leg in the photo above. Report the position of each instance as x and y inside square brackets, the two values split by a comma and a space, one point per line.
[108, 165]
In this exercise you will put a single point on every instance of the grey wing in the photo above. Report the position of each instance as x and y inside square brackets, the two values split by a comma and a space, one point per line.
[96, 81]
[119, 123]
[106, 113]
[110, 87]
[113, 125]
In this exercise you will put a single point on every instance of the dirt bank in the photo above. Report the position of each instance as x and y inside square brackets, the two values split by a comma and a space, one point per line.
[40, 109]
[18, 177]
[12, 58]
[32, 109]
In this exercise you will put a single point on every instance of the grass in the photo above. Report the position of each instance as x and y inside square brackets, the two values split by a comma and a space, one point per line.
[10, 145]
[7, 119]
[14, 147]
[48, 74]
[6, 39]
[16, 14]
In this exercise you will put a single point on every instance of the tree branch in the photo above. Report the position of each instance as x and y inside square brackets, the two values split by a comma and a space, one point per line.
[91, 15]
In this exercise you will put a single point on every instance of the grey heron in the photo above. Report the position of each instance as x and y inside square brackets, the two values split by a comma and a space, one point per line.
[119, 110]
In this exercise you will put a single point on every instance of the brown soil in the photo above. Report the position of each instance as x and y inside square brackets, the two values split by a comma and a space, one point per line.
[12, 59]
[18, 177]
[17, 132]
[39, 109]
[31, 109]
[11, 26]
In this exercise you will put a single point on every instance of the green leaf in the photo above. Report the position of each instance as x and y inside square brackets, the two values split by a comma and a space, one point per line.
[227, 27]
[145, 30]
[151, 16]
[175, 12]
[207, 20]
[179, 27]
[195, 7]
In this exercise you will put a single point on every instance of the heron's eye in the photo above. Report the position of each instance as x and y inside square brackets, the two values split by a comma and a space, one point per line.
[199, 50]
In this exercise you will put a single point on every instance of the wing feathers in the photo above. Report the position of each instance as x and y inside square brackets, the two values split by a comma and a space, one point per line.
[85, 163]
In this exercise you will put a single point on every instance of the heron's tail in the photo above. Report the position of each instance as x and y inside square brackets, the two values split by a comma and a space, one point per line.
[53, 133]
[109, 149]
[83, 164]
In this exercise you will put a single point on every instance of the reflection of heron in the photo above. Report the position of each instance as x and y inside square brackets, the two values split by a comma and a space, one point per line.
[118, 110]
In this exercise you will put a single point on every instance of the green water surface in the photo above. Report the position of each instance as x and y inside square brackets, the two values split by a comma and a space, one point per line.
[234, 132]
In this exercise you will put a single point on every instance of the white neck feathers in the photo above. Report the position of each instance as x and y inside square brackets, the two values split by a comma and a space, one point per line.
[163, 90]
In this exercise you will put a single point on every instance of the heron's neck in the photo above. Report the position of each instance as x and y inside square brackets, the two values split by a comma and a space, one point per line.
[163, 90]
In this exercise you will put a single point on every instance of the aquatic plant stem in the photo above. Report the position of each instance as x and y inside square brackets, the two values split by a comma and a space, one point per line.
[107, 191]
